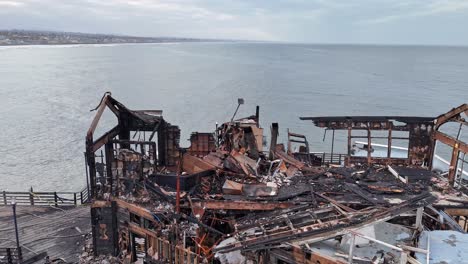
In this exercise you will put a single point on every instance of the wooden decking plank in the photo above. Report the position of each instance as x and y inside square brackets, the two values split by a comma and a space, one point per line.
[51, 230]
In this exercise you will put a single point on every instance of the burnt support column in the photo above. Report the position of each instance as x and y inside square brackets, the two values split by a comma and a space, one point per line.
[90, 157]
[274, 139]
[109, 150]
[257, 115]
[162, 143]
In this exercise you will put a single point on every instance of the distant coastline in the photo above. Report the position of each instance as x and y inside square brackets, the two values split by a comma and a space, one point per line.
[31, 37]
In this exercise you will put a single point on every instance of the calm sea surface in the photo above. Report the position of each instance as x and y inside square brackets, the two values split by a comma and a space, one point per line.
[46, 93]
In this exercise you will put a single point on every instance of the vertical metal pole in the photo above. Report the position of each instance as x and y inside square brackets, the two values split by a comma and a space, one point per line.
[349, 144]
[332, 145]
[389, 144]
[13, 204]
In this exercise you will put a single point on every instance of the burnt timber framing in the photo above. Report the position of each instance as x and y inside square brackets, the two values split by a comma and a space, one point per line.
[419, 128]
[423, 135]
[168, 136]
[458, 146]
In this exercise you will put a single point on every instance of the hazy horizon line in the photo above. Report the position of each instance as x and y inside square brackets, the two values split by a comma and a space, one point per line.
[237, 40]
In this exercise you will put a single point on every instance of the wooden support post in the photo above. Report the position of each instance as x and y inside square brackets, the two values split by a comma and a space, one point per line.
[31, 196]
[92, 170]
[273, 140]
[74, 199]
[55, 199]
[453, 165]
[4, 198]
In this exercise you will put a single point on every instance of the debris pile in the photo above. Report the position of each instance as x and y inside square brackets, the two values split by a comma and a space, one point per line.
[87, 255]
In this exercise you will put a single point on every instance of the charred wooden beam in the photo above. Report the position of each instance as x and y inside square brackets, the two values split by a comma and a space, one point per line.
[240, 205]
[323, 231]
[453, 142]
[108, 136]
[454, 113]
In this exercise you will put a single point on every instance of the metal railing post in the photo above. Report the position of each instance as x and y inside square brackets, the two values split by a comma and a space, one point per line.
[31, 197]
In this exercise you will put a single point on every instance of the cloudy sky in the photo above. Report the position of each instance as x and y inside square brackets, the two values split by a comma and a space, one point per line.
[316, 21]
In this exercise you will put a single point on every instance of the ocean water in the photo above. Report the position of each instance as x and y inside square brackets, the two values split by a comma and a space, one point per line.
[46, 93]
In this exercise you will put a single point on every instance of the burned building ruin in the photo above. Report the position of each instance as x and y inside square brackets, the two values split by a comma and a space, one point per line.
[229, 199]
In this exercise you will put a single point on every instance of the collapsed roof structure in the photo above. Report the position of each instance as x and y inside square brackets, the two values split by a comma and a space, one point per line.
[227, 200]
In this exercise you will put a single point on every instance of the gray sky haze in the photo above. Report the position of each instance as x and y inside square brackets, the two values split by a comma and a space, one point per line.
[429, 22]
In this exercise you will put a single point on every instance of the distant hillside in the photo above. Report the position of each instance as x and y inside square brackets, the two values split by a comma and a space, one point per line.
[30, 37]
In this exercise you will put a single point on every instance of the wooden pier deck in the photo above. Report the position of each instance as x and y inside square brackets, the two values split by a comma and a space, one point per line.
[59, 232]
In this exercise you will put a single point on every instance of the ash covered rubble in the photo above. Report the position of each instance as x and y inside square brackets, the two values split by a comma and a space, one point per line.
[227, 200]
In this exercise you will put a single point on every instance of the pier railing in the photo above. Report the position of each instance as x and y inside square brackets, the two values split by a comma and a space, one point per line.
[321, 158]
[45, 198]
[330, 158]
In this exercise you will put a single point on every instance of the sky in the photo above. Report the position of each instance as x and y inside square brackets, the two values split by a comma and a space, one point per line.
[427, 22]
